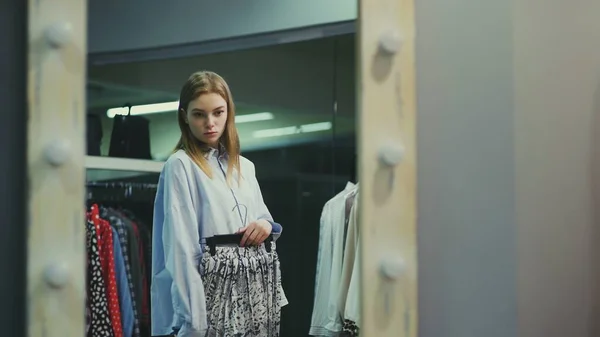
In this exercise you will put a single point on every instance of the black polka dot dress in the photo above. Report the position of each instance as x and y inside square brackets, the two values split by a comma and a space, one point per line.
[350, 329]
[100, 320]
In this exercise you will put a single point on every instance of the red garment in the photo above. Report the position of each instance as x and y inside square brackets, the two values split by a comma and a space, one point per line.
[107, 261]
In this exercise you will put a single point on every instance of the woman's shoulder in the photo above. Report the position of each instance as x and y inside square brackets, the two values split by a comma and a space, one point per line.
[246, 165]
[177, 161]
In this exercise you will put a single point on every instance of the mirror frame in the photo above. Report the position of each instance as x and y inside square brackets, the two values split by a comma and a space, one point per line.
[386, 96]
[56, 174]
[56, 167]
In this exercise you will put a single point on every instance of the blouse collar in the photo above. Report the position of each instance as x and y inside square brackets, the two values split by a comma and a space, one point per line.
[219, 152]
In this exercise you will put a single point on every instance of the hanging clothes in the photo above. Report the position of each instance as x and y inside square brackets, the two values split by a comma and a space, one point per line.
[105, 244]
[125, 299]
[326, 319]
[349, 290]
[130, 137]
[118, 222]
[94, 134]
[116, 264]
[136, 256]
[100, 325]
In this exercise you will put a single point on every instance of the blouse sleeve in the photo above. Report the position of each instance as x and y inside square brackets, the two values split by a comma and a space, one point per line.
[181, 241]
[262, 207]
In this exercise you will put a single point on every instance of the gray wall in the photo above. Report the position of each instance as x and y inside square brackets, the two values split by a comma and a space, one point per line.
[465, 128]
[128, 25]
[508, 129]
[557, 101]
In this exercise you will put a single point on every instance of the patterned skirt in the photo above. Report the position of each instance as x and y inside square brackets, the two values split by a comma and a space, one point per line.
[243, 292]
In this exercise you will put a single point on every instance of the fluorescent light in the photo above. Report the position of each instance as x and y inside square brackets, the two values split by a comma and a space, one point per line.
[315, 127]
[257, 117]
[173, 106]
[291, 130]
[144, 109]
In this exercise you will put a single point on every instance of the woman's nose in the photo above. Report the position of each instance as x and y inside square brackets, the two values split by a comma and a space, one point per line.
[210, 121]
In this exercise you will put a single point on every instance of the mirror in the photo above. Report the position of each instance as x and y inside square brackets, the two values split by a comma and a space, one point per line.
[295, 117]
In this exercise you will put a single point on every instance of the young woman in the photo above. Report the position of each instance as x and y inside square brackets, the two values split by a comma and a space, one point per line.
[206, 189]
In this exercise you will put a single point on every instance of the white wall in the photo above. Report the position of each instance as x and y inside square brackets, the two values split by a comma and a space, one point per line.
[466, 169]
[508, 131]
[557, 93]
[135, 24]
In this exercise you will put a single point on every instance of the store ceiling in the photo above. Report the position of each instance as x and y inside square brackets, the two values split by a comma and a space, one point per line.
[298, 83]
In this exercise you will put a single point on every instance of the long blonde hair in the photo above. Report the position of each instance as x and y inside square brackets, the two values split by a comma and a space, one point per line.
[207, 82]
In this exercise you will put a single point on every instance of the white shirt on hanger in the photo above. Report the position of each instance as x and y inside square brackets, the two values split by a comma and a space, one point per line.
[349, 290]
[326, 320]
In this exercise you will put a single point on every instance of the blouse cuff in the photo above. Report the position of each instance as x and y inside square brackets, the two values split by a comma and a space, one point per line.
[275, 227]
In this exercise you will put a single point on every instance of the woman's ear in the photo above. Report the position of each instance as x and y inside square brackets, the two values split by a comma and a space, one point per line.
[184, 116]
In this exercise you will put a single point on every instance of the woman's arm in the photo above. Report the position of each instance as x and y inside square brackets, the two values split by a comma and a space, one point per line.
[181, 241]
[260, 228]
[263, 210]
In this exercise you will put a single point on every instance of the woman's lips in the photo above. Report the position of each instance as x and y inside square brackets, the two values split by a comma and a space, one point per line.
[210, 133]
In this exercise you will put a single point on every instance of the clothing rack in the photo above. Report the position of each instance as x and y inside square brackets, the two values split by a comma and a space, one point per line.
[121, 191]
[118, 295]
[122, 184]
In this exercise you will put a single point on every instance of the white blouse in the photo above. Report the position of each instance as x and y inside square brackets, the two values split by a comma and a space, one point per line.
[190, 206]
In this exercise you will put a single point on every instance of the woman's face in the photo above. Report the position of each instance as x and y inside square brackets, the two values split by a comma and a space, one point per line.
[207, 118]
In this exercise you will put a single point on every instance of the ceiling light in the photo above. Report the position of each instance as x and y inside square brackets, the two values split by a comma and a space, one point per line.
[144, 109]
[324, 126]
[257, 117]
[147, 109]
[291, 130]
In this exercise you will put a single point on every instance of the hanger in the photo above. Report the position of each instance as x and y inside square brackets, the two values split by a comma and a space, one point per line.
[128, 106]
[231, 239]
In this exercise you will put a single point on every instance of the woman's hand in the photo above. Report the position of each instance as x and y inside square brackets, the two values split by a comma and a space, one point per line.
[255, 233]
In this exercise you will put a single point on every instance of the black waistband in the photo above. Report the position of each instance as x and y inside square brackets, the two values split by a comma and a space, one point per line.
[231, 239]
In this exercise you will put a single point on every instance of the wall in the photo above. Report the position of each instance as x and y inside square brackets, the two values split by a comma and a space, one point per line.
[14, 184]
[557, 92]
[508, 162]
[130, 25]
[466, 196]
[295, 76]
[298, 82]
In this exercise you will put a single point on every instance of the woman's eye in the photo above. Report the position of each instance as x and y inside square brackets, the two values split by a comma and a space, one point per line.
[218, 113]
